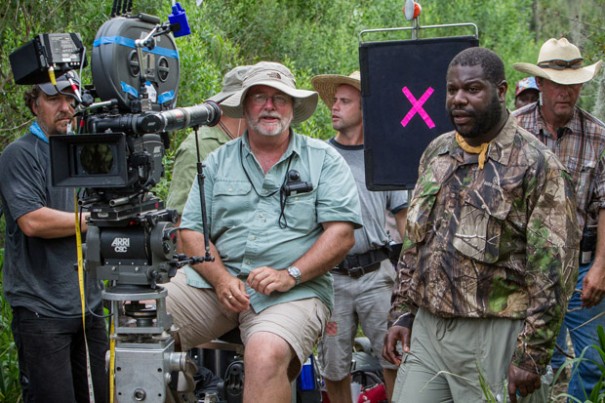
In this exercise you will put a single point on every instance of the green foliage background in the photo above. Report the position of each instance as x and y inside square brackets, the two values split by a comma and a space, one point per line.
[310, 36]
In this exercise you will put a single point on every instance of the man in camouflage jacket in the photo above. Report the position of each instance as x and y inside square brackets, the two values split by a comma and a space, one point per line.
[489, 254]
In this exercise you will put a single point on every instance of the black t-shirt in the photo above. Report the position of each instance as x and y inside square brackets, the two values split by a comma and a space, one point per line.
[39, 274]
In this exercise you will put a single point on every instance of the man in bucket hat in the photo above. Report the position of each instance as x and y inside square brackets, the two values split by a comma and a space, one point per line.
[208, 139]
[364, 280]
[578, 139]
[40, 282]
[282, 209]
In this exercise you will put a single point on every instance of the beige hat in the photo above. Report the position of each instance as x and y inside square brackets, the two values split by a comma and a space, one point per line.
[232, 82]
[274, 75]
[326, 85]
[561, 62]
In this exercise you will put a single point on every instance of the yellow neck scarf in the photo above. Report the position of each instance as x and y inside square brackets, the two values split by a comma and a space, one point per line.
[481, 150]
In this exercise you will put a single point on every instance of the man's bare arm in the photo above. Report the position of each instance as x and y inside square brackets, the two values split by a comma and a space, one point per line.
[329, 250]
[230, 290]
[49, 223]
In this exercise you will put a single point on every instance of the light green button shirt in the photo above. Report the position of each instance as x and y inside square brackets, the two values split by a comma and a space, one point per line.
[243, 209]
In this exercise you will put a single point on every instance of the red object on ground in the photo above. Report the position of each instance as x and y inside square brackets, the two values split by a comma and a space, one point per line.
[375, 394]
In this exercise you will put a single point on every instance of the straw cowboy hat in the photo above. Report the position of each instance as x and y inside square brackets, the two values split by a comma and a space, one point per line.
[561, 62]
[232, 82]
[277, 76]
[326, 85]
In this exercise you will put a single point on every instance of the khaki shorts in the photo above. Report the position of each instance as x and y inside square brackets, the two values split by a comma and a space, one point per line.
[200, 318]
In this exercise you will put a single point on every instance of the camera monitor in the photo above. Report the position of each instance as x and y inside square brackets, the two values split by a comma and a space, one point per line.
[30, 62]
[403, 90]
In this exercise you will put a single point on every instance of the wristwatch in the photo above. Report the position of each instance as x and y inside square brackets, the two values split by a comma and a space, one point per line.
[294, 272]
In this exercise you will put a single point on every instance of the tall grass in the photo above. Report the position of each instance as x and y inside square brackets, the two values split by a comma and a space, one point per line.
[10, 390]
[596, 396]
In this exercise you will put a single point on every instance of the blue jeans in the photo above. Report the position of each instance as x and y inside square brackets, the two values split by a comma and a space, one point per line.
[585, 374]
[52, 357]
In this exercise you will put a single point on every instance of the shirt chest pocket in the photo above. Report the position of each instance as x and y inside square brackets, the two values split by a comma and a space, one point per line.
[231, 202]
[300, 211]
[479, 230]
[582, 174]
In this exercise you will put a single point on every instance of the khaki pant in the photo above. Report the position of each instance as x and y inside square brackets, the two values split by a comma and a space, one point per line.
[447, 356]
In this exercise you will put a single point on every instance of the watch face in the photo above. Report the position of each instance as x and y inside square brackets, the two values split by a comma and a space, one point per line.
[295, 273]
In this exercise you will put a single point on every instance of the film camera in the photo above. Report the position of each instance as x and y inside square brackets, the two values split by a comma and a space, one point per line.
[116, 156]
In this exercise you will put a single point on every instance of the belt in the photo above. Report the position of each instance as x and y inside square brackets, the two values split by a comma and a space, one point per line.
[356, 272]
[356, 266]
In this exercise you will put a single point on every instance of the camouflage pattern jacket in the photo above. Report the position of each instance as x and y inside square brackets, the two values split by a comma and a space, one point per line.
[495, 242]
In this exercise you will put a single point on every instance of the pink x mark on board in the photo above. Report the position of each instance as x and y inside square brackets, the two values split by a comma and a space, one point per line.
[417, 107]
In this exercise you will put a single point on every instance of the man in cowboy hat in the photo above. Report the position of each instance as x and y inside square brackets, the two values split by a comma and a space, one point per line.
[209, 138]
[40, 283]
[282, 209]
[363, 281]
[578, 139]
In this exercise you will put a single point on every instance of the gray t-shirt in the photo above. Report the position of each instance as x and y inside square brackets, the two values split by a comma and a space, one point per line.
[373, 234]
[39, 274]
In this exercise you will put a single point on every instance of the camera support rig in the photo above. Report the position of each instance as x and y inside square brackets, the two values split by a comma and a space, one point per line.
[131, 237]
[144, 354]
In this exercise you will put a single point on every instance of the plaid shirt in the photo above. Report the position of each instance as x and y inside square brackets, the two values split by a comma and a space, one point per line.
[580, 146]
[498, 242]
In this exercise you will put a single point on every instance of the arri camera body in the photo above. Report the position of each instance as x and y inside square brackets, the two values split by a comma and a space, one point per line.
[116, 156]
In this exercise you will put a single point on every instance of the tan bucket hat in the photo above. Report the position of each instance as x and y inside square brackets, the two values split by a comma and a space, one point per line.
[232, 82]
[277, 76]
[560, 61]
[326, 85]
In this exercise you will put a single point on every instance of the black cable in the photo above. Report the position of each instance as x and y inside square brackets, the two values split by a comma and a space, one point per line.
[283, 196]
[241, 160]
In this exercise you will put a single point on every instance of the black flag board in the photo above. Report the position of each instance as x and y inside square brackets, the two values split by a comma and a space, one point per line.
[403, 88]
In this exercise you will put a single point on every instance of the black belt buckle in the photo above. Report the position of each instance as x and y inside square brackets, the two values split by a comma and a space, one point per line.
[356, 272]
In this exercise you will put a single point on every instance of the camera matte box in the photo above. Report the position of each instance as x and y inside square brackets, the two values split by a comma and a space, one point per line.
[68, 169]
[403, 89]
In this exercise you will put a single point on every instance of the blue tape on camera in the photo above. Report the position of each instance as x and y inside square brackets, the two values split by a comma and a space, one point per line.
[130, 43]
